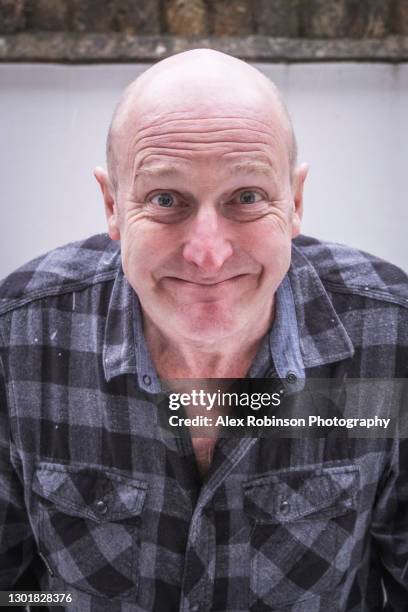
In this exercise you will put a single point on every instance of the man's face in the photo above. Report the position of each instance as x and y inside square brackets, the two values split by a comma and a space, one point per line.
[205, 213]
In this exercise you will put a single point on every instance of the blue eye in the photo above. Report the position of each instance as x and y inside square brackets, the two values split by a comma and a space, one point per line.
[165, 200]
[249, 197]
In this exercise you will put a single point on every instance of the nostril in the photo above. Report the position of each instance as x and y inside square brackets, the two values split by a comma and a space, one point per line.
[208, 255]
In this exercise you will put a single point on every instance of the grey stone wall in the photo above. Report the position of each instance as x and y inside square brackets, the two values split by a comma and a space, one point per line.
[145, 30]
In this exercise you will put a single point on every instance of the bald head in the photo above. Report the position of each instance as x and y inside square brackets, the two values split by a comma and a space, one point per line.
[202, 80]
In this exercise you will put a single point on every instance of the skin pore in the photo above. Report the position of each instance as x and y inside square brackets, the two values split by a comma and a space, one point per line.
[203, 194]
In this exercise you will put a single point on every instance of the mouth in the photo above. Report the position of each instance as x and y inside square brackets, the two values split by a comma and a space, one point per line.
[206, 283]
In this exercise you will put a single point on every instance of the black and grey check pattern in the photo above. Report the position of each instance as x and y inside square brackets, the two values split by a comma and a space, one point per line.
[94, 500]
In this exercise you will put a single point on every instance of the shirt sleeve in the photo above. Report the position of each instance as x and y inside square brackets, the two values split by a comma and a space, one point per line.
[16, 539]
[390, 530]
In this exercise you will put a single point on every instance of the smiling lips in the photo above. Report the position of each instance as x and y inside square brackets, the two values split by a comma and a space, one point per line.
[206, 284]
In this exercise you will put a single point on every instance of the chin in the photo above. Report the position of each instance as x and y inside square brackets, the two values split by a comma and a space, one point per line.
[206, 322]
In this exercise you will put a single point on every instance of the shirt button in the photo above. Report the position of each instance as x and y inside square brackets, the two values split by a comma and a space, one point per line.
[291, 377]
[284, 507]
[146, 379]
[101, 507]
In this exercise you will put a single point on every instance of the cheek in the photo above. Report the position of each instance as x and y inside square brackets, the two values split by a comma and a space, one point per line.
[271, 248]
[133, 246]
[145, 246]
[269, 236]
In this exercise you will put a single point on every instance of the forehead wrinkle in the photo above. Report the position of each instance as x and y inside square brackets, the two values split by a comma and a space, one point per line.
[247, 130]
[186, 142]
[256, 160]
[189, 154]
[163, 120]
[222, 136]
[193, 141]
[244, 120]
[180, 160]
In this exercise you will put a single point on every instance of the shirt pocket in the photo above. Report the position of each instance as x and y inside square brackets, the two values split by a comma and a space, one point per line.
[302, 525]
[89, 527]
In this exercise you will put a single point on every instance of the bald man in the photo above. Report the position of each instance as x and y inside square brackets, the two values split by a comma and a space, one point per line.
[203, 277]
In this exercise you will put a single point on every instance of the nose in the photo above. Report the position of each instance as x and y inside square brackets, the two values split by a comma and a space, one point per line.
[207, 246]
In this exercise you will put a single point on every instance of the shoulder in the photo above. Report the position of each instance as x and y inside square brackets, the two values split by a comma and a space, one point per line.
[68, 268]
[346, 270]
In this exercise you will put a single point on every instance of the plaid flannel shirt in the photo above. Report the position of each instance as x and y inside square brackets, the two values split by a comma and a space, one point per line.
[96, 502]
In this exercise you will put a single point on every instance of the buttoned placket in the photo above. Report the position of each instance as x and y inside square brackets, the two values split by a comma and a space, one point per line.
[197, 588]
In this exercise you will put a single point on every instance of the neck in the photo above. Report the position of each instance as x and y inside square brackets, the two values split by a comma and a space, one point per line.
[226, 357]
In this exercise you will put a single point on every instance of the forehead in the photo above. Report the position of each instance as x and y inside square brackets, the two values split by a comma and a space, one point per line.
[190, 107]
[215, 111]
[240, 139]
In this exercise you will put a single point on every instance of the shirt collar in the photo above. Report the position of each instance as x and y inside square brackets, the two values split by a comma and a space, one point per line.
[118, 353]
[281, 345]
[124, 348]
[323, 338]
[306, 332]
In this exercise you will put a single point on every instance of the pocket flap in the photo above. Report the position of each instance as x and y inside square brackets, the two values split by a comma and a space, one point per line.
[90, 492]
[290, 495]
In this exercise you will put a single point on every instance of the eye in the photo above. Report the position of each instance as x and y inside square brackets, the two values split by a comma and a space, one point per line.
[249, 196]
[164, 199]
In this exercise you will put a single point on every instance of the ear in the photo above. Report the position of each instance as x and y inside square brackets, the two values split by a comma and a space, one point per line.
[111, 210]
[299, 178]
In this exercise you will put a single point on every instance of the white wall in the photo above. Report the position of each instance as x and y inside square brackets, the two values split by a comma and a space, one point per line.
[350, 119]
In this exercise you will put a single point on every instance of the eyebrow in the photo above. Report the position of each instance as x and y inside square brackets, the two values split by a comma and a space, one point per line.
[157, 170]
[167, 170]
[251, 166]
